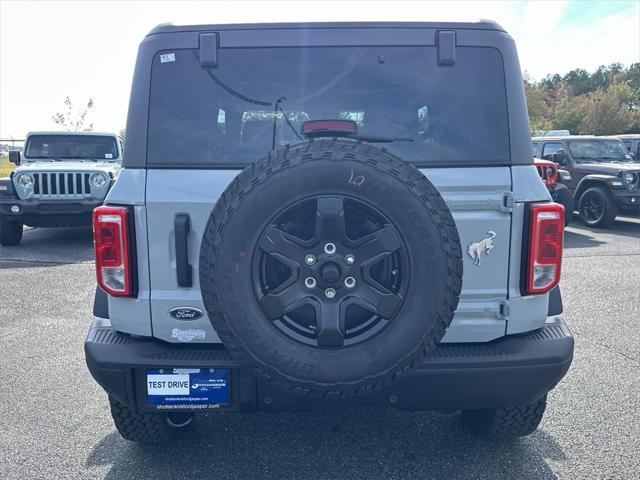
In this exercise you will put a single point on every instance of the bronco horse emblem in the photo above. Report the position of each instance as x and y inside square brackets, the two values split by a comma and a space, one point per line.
[483, 246]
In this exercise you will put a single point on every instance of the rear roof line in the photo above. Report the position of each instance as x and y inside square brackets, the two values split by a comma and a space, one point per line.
[575, 137]
[479, 25]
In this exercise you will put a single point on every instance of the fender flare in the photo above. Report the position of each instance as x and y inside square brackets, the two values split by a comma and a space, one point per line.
[6, 187]
[590, 180]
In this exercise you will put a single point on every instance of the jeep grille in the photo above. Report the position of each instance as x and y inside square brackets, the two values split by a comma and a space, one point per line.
[61, 185]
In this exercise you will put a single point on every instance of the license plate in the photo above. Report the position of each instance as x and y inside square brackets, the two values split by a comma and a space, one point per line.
[187, 388]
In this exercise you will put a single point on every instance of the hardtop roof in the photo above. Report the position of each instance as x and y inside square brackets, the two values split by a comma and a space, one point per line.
[574, 137]
[479, 25]
[58, 132]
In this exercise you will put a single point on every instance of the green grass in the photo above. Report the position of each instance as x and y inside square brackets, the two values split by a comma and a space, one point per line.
[5, 166]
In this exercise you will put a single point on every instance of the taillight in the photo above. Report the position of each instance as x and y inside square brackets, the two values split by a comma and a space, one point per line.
[546, 235]
[111, 242]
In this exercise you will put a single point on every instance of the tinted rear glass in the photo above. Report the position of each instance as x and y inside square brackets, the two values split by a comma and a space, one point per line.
[94, 147]
[225, 115]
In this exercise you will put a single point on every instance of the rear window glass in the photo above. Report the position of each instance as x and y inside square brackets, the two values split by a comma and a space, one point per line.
[87, 147]
[550, 149]
[226, 115]
[534, 148]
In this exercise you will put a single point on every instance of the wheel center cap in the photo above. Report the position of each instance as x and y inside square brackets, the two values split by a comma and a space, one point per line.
[330, 273]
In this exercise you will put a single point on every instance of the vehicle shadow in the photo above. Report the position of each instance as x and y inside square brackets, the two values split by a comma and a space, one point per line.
[41, 247]
[578, 235]
[628, 227]
[366, 442]
[573, 239]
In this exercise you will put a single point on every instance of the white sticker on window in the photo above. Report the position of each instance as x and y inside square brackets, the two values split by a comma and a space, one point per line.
[167, 57]
[108, 155]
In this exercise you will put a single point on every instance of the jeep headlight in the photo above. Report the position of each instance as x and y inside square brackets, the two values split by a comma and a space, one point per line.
[98, 180]
[25, 181]
[629, 178]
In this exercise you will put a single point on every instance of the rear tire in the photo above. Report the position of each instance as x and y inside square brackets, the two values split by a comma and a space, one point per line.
[509, 422]
[10, 232]
[597, 208]
[147, 427]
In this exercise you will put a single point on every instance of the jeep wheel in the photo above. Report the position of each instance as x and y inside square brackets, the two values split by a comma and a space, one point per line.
[10, 232]
[506, 422]
[147, 427]
[596, 208]
[330, 267]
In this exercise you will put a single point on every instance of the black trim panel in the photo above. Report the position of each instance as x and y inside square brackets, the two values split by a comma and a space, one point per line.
[100, 303]
[184, 271]
[555, 301]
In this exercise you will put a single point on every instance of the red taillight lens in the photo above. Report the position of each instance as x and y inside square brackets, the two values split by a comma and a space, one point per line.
[111, 242]
[546, 235]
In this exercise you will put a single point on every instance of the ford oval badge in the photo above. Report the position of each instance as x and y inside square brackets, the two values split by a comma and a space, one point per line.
[186, 313]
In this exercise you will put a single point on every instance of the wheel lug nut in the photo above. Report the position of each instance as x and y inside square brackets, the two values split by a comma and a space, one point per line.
[349, 282]
[350, 259]
[310, 282]
[310, 259]
[330, 248]
[330, 293]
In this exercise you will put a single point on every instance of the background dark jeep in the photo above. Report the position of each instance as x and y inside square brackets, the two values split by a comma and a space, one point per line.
[328, 215]
[605, 179]
[632, 142]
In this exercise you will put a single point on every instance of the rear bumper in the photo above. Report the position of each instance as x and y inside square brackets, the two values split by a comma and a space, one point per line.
[48, 213]
[514, 370]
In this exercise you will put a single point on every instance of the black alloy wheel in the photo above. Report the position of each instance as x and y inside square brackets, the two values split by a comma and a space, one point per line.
[596, 208]
[592, 208]
[330, 271]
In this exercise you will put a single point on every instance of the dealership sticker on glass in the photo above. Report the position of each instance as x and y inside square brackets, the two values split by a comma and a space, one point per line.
[187, 388]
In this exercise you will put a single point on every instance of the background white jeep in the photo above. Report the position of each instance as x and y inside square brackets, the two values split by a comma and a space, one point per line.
[61, 177]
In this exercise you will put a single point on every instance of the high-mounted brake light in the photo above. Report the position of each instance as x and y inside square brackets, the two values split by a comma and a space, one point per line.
[546, 235]
[111, 242]
[335, 127]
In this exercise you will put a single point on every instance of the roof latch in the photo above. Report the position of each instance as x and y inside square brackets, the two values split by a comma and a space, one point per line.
[209, 49]
[446, 47]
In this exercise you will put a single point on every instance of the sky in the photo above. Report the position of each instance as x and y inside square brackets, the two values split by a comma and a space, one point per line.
[81, 49]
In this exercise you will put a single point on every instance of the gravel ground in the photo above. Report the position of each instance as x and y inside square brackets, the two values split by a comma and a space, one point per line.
[55, 423]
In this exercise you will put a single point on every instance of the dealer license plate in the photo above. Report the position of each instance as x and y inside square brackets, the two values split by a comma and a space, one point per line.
[187, 388]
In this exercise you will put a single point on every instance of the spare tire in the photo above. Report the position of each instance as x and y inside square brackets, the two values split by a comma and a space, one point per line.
[330, 267]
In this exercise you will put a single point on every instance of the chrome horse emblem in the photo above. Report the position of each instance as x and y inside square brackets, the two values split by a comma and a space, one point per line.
[483, 246]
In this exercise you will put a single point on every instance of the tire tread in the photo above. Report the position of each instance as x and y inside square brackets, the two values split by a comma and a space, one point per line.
[332, 150]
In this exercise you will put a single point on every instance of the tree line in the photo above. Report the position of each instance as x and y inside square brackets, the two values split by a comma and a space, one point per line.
[605, 102]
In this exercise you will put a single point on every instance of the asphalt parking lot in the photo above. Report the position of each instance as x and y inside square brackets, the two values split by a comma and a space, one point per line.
[55, 423]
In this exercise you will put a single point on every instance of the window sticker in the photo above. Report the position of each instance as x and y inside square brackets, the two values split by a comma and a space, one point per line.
[167, 57]
[108, 155]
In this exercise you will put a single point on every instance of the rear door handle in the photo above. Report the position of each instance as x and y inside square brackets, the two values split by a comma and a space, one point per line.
[182, 227]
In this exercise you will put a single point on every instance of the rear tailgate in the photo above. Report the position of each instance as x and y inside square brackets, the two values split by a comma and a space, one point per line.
[480, 200]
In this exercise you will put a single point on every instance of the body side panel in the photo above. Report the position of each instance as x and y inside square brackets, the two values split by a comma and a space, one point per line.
[133, 315]
[525, 312]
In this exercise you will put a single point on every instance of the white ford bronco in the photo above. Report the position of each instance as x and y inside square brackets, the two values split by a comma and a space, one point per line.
[60, 178]
[328, 215]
